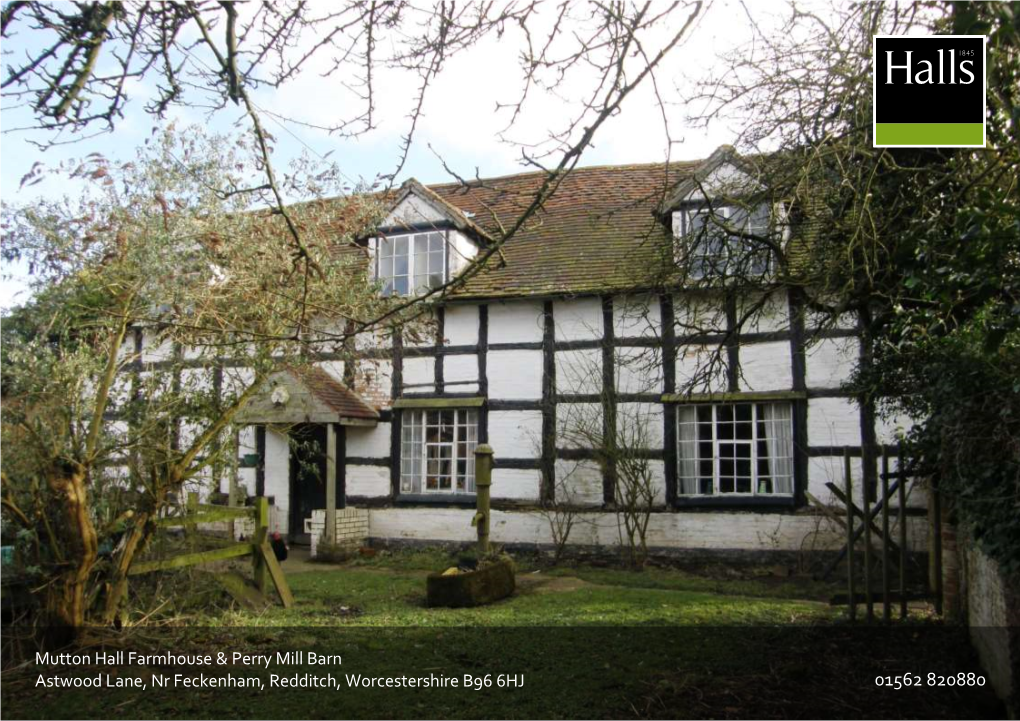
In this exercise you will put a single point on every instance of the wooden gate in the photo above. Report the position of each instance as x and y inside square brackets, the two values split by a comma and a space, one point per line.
[870, 521]
[265, 567]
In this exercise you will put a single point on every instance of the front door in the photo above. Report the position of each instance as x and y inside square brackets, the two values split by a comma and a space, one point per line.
[307, 477]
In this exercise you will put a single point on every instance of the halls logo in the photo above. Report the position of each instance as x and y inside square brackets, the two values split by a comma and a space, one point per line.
[929, 91]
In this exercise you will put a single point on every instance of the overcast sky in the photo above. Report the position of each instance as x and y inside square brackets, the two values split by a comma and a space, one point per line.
[460, 121]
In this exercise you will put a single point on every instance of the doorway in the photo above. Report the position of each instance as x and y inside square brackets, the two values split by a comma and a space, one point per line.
[307, 477]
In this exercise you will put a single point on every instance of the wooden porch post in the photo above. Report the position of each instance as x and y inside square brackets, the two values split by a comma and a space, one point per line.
[260, 450]
[331, 466]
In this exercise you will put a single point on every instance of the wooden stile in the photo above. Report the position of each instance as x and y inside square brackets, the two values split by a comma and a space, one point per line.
[264, 563]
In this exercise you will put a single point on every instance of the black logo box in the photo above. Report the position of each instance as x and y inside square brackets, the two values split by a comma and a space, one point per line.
[948, 98]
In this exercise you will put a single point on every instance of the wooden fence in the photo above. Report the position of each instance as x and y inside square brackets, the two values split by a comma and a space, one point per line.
[265, 567]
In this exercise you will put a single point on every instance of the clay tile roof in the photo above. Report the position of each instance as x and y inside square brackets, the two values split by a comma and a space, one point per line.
[333, 393]
[600, 231]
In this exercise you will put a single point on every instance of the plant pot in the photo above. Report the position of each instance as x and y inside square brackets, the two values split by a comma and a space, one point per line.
[474, 588]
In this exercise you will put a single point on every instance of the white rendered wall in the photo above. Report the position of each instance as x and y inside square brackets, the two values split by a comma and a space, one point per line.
[462, 250]
[153, 350]
[411, 210]
[691, 362]
[765, 367]
[335, 369]
[578, 319]
[833, 422]
[461, 325]
[829, 469]
[638, 370]
[636, 316]
[515, 322]
[889, 429]
[516, 434]
[640, 421]
[698, 314]
[278, 476]
[366, 442]
[578, 425]
[368, 481]
[578, 483]
[515, 374]
[772, 315]
[830, 361]
[515, 484]
[419, 375]
[678, 531]
[579, 371]
[460, 368]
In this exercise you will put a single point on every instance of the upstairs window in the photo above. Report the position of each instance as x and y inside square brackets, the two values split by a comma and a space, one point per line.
[714, 242]
[735, 449]
[411, 264]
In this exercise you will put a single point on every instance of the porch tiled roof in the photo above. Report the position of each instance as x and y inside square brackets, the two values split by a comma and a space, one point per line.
[334, 394]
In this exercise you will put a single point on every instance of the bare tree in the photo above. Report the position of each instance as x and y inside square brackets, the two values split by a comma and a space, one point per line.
[616, 441]
[74, 69]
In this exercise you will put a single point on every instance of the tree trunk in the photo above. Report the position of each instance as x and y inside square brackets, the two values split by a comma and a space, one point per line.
[66, 602]
[116, 588]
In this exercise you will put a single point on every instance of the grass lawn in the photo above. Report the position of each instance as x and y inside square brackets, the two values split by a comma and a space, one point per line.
[584, 642]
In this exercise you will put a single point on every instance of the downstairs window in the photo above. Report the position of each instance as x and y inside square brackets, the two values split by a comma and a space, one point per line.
[735, 449]
[437, 451]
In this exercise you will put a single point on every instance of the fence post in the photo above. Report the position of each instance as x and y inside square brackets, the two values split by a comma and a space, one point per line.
[869, 604]
[258, 540]
[330, 519]
[902, 497]
[483, 482]
[849, 491]
[936, 555]
[886, 607]
[191, 509]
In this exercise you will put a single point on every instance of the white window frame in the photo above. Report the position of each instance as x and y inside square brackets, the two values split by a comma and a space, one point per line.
[416, 449]
[700, 263]
[689, 451]
[413, 258]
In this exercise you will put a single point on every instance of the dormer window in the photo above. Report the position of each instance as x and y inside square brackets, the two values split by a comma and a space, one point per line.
[715, 242]
[411, 264]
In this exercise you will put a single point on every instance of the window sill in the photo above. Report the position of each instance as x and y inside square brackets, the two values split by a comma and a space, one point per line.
[431, 403]
[734, 397]
[440, 499]
[735, 502]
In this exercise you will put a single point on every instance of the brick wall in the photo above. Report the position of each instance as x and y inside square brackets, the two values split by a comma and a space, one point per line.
[351, 527]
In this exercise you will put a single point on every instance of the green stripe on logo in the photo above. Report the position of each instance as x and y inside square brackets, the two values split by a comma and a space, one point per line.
[930, 134]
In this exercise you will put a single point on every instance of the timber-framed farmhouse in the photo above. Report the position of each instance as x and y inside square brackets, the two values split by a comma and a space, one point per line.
[572, 337]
